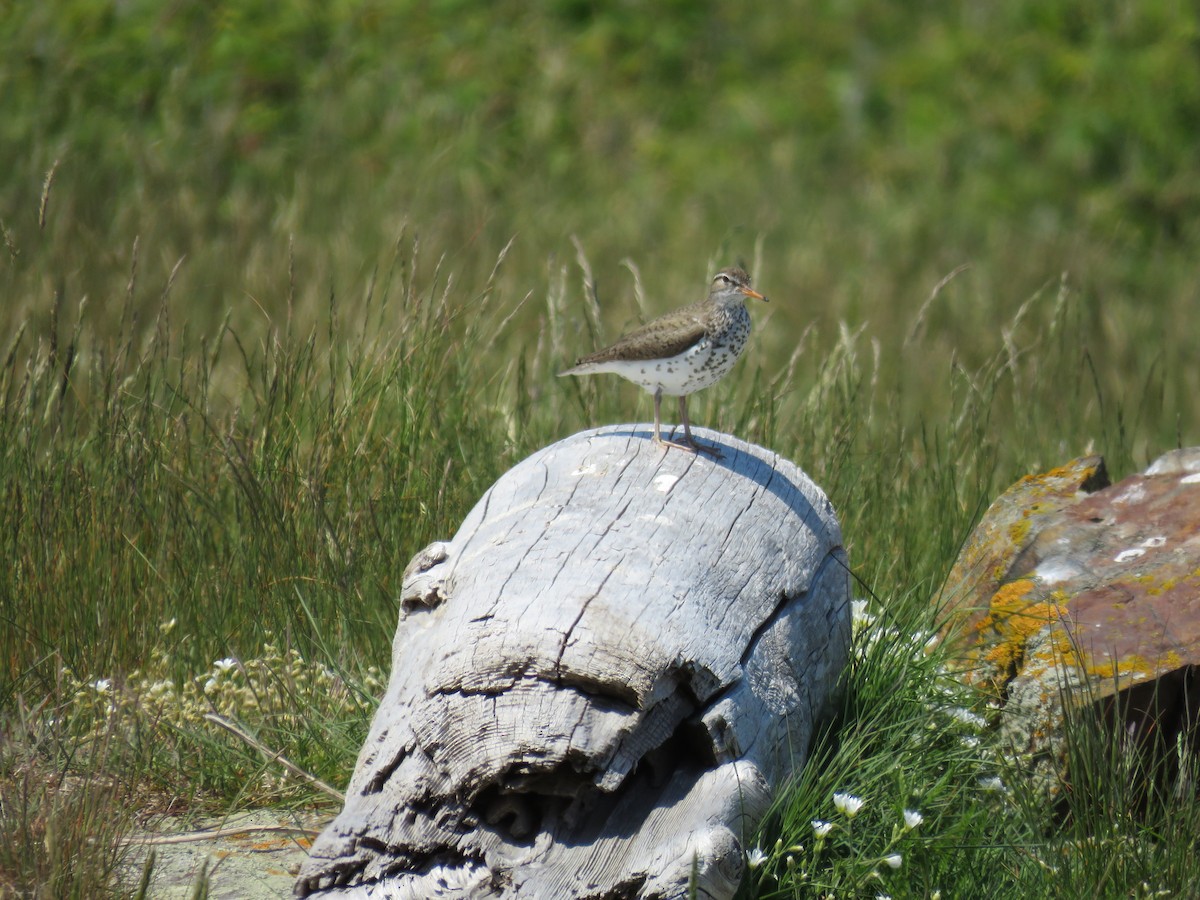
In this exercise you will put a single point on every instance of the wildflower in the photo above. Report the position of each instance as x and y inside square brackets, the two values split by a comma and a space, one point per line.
[967, 717]
[922, 639]
[912, 819]
[756, 858]
[894, 861]
[859, 617]
[219, 668]
[821, 829]
[991, 783]
[102, 685]
[160, 689]
[847, 804]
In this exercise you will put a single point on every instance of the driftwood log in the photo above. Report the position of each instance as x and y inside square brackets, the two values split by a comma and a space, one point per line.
[599, 683]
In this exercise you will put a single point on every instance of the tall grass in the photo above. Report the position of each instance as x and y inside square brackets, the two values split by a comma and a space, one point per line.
[63, 821]
[230, 485]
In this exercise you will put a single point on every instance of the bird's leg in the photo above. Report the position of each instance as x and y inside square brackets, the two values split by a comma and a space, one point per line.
[687, 432]
[658, 438]
[683, 417]
[657, 415]
[688, 443]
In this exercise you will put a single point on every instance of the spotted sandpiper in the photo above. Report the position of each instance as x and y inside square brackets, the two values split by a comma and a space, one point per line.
[682, 352]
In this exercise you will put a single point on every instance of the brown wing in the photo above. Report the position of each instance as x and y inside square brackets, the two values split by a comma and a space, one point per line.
[659, 338]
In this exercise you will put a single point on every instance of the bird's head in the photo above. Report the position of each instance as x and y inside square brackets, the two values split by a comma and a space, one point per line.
[733, 284]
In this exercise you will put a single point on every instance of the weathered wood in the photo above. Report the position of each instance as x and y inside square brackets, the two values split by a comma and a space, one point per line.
[600, 681]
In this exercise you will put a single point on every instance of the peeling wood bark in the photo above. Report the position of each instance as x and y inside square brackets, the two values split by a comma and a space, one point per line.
[599, 683]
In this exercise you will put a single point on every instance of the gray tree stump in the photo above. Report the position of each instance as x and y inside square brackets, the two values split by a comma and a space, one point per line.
[599, 683]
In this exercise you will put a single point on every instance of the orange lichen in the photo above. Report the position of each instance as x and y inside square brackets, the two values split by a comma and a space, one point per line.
[1014, 615]
[1135, 664]
[1070, 470]
[1008, 599]
[1060, 652]
[1058, 649]
[1008, 596]
[1153, 587]
[1032, 619]
[1019, 530]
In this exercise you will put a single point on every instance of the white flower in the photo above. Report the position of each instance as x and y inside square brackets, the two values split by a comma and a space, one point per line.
[847, 804]
[756, 858]
[102, 685]
[921, 639]
[859, 617]
[894, 861]
[821, 829]
[912, 819]
[967, 717]
[219, 668]
[991, 783]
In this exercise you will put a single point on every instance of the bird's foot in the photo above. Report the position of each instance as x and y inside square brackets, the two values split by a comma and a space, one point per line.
[691, 445]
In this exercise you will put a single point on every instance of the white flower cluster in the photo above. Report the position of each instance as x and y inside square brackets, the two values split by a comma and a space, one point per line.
[150, 711]
[800, 863]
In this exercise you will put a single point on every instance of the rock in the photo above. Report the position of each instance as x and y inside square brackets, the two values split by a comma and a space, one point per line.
[599, 683]
[1073, 588]
[1007, 529]
[252, 855]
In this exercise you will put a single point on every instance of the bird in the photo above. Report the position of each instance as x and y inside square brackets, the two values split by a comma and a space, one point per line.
[683, 351]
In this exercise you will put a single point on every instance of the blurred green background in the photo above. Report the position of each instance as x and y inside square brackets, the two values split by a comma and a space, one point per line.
[870, 147]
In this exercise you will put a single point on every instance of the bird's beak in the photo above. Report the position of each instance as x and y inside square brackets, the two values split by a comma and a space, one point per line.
[753, 293]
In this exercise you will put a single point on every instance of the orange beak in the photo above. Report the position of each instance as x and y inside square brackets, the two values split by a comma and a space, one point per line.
[755, 294]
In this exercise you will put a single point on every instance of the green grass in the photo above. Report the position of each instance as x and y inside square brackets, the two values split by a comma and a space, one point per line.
[905, 738]
[299, 284]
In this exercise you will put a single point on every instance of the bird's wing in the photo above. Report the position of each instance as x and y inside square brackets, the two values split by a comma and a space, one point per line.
[660, 339]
